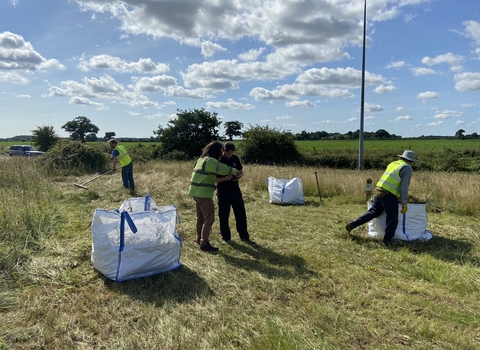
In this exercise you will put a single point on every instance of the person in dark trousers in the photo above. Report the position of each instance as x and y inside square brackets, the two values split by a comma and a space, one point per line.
[391, 188]
[230, 195]
[202, 187]
[120, 155]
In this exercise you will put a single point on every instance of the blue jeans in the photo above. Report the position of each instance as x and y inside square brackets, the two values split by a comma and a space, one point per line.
[127, 176]
[389, 204]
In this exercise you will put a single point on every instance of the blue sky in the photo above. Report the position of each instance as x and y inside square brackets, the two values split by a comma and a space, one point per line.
[289, 64]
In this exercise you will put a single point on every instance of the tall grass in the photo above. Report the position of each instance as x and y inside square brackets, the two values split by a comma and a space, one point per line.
[28, 210]
[305, 285]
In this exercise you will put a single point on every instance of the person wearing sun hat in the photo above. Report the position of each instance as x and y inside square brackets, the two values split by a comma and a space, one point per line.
[391, 189]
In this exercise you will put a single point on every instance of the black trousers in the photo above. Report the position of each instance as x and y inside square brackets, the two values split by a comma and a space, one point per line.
[389, 204]
[234, 200]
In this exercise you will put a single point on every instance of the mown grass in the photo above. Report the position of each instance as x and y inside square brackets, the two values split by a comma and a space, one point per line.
[305, 285]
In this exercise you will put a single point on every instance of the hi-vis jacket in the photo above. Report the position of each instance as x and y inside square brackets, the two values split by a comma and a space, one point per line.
[391, 180]
[123, 157]
[204, 175]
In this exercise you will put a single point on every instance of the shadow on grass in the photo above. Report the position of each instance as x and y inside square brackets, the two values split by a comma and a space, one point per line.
[450, 250]
[180, 285]
[267, 262]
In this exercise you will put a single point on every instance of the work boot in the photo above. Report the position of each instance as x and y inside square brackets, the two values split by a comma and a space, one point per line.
[208, 248]
[247, 240]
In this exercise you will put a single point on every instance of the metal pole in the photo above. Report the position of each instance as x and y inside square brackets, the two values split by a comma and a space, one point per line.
[362, 105]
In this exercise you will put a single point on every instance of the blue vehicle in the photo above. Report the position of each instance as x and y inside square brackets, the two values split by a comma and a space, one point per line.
[23, 150]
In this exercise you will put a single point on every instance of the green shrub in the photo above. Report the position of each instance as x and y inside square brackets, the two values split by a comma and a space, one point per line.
[73, 157]
[263, 145]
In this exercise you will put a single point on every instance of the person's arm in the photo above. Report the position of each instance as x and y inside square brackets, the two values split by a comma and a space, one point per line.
[223, 178]
[405, 174]
[239, 167]
[218, 168]
[114, 160]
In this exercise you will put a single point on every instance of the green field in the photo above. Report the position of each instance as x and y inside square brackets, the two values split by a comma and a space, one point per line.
[396, 145]
[309, 146]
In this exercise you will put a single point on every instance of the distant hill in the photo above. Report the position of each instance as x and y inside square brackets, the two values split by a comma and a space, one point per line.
[19, 138]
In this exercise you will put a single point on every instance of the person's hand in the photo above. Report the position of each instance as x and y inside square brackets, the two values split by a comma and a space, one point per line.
[404, 209]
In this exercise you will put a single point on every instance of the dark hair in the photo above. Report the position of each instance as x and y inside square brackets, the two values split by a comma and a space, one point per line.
[214, 149]
[229, 146]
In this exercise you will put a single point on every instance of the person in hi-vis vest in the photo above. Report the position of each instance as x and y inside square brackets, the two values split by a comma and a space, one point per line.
[202, 186]
[120, 155]
[391, 188]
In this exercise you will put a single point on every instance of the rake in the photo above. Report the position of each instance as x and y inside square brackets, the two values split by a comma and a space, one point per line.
[82, 185]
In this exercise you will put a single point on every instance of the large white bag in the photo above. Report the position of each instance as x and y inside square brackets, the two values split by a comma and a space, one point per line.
[138, 204]
[411, 226]
[285, 191]
[132, 245]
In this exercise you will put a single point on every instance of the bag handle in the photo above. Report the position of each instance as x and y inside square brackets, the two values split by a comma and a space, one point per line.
[147, 200]
[125, 216]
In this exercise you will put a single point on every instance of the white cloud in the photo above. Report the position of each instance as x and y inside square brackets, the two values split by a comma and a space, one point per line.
[477, 52]
[251, 55]
[230, 104]
[348, 77]
[436, 124]
[428, 95]
[370, 107]
[472, 30]
[156, 83]
[86, 102]
[18, 59]
[403, 118]
[143, 65]
[468, 105]
[13, 77]
[352, 119]
[209, 48]
[467, 81]
[304, 103]
[296, 90]
[105, 88]
[460, 122]
[454, 61]
[154, 116]
[397, 64]
[370, 117]
[325, 122]
[446, 114]
[286, 117]
[399, 109]
[384, 89]
[418, 71]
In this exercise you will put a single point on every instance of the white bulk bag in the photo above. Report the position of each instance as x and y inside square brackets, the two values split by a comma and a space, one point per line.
[285, 191]
[127, 246]
[138, 204]
[411, 226]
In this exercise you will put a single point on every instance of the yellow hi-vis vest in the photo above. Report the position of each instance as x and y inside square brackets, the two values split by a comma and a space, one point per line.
[390, 180]
[123, 157]
[204, 175]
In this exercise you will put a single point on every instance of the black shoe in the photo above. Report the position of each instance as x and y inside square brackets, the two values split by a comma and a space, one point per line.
[387, 244]
[208, 248]
[248, 241]
[349, 227]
